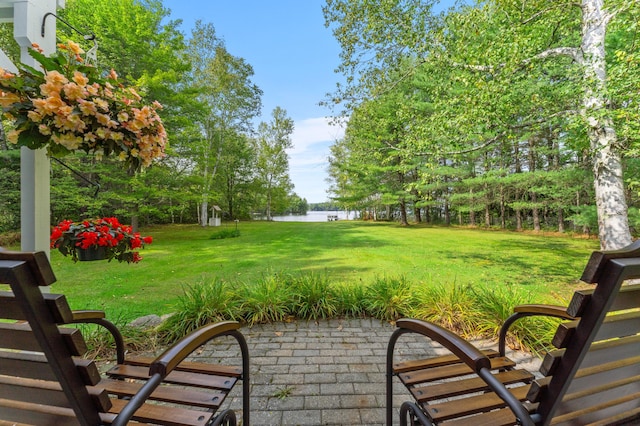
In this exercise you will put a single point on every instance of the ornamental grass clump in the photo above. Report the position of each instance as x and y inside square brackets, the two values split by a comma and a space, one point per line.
[204, 302]
[389, 298]
[71, 106]
[314, 297]
[117, 241]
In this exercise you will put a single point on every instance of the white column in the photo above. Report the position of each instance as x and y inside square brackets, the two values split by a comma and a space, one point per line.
[34, 165]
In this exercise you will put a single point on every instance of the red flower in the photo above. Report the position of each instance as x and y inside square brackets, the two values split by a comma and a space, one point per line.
[87, 239]
[136, 242]
[56, 233]
[64, 225]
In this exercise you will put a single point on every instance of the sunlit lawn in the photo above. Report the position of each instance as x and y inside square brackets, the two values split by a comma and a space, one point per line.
[349, 252]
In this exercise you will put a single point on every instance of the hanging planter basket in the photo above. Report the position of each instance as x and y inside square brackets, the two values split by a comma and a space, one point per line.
[92, 253]
[98, 239]
[71, 106]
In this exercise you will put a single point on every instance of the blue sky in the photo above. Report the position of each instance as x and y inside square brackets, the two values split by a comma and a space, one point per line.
[294, 57]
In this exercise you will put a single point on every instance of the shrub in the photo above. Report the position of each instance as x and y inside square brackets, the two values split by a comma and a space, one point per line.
[389, 298]
[351, 300]
[314, 297]
[268, 300]
[496, 304]
[225, 233]
[8, 239]
[201, 304]
[451, 306]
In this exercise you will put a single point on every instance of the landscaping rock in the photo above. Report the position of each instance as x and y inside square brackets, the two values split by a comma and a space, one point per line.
[148, 321]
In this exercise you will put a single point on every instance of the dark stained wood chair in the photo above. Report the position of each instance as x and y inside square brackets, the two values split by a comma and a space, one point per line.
[591, 378]
[44, 380]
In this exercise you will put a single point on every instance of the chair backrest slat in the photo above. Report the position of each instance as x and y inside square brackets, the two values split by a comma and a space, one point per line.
[627, 298]
[33, 414]
[600, 352]
[20, 337]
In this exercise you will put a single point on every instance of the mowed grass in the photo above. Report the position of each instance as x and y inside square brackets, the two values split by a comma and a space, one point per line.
[351, 253]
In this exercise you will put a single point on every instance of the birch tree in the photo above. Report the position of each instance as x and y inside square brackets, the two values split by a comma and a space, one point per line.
[230, 100]
[272, 165]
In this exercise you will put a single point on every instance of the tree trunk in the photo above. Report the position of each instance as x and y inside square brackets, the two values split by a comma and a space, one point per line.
[535, 212]
[503, 208]
[403, 213]
[560, 220]
[613, 225]
[472, 213]
[204, 212]
[487, 216]
[447, 213]
[269, 204]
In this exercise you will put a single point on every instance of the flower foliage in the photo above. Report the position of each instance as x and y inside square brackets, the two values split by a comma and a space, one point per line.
[73, 106]
[118, 240]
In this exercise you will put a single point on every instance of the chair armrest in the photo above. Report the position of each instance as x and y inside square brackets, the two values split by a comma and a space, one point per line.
[173, 356]
[546, 310]
[523, 311]
[86, 314]
[98, 317]
[464, 350]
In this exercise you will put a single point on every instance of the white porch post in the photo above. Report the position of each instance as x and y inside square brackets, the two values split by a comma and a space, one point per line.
[34, 165]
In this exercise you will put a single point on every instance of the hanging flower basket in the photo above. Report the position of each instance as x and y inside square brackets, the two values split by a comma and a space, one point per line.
[98, 239]
[92, 253]
[73, 107]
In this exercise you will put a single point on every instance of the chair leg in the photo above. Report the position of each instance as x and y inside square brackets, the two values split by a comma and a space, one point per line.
[389, 374]
[246, 381]
[225, 418]
[409, 410]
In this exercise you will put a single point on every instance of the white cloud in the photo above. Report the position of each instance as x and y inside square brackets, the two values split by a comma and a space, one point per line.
[311, 139]
[314, 130]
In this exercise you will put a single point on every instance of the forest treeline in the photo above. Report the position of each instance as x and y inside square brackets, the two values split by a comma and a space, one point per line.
[218, 156]
[496, 113]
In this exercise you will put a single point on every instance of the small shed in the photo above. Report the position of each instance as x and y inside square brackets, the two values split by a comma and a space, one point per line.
[216, 214]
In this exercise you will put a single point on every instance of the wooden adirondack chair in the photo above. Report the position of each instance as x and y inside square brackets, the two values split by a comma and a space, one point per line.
[44, 380]
[592, 378]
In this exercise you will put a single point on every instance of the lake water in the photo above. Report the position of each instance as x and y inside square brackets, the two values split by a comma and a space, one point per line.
[315, 216]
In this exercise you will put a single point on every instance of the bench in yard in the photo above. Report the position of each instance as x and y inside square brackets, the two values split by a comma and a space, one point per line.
[45, 381]
[591, 378]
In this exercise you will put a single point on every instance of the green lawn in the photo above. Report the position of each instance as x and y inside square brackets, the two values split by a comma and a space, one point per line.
[349, 252]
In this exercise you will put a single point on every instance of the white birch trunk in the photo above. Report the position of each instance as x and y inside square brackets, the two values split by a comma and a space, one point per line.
[208, 178]
[613, 226]
[204, 204]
